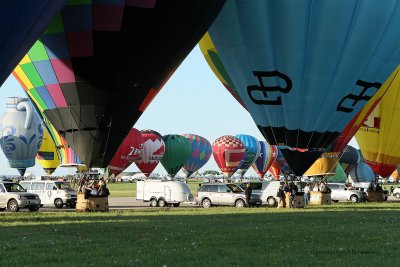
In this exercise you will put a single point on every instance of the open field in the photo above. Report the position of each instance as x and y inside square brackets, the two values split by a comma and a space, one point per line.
[365, 234]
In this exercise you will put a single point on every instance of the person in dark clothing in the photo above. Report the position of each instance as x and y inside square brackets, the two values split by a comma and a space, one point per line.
[247, 193]
[293, 191]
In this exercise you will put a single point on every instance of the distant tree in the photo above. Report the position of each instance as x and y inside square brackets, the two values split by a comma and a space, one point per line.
[211, 172]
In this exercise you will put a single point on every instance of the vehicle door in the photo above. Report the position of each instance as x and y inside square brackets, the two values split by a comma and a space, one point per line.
[51, 192]
[213, 194]
[2, 196]
[167, 193]
[40, 189]
[334, 193]
[225, 195]
[342, 192]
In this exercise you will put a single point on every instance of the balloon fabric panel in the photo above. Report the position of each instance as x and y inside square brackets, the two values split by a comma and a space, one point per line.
[200, 153]
[152, 153]
[177, 151]
[252, 151]
[98, 65]
[266, 158]
[229, 153]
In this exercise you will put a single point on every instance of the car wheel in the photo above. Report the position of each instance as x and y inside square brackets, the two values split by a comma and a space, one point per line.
[176, 204]
[153, 203]
[13, 205]
[161, 202]
[58, 203]
[206, 203]
[239, 203]
[397, 195]
[33, 209]
[353, 198]
[271, 201]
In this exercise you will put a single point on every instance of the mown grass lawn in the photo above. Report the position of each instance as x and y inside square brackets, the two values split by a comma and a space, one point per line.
[363, 234]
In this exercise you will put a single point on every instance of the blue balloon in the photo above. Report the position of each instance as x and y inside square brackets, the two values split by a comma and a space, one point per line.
[361, 173]
[252, 151]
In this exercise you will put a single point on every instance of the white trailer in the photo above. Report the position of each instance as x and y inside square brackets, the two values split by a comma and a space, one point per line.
[162, 193]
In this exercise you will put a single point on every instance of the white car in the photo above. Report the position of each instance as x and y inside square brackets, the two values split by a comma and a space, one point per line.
[14, 197]
[396, 192]
[342, 193]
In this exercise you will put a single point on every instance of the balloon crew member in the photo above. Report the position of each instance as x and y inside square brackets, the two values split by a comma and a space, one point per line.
[247, 193]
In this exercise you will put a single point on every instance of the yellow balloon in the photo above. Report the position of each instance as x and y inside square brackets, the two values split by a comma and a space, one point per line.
[47, 156]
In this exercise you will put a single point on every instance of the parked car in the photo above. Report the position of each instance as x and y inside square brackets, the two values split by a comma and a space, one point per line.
[14, 197]
[224, 194]
[396, 192]
[265, 190]
[162, 193]
[57, 193]
[342, 193]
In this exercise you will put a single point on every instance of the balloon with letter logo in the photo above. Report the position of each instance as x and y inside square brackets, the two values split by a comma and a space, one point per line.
[177, 151]
[152, 153]
[264, 161]
[200, 154]
[130, 149]
[229, 153]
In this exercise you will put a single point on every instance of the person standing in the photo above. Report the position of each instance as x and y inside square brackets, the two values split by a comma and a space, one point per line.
[281, 197]
[247, 193]
[306, 194]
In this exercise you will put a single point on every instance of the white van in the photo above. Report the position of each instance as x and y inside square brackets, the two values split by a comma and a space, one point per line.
[163, 192]
[266, 190]
[57, 193]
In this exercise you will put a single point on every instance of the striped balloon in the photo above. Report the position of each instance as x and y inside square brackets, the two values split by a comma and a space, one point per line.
[201, 153]
[266, 158]
[252, 151]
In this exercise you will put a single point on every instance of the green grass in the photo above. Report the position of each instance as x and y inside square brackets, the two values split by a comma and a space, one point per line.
[365, 234]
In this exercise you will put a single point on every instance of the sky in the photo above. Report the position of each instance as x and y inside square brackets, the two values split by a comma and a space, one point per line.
[192, 101]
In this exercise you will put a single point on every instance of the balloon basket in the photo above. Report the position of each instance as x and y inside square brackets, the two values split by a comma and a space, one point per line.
[374, 196]
[318, 198]
[91, 203]
[298, 201]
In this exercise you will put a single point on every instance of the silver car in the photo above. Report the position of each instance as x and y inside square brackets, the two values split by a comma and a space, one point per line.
[342, 193]
[222, 194]
[14, 197]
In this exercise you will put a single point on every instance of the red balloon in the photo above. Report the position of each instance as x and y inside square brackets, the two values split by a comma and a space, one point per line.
[229, 153]
[130, 149]
[152, 153]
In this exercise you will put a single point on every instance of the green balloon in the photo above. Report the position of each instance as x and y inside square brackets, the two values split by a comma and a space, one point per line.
[339, 177]
[177, 151]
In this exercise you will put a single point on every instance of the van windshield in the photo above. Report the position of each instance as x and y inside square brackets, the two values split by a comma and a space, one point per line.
[63, 186]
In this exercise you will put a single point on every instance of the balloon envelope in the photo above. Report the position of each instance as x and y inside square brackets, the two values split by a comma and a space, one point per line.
[325, 165]
[252, 146]
[47, 155]
[339, 177]
[362, 172]
[21, 23]
[228, 152]
[99, 64]
[266, 158]
[303, 69]
[177, 151]
[200, 153]
[130, 149]
[152, 153]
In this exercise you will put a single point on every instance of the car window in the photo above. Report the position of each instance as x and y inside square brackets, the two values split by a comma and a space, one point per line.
[332, 186]
[205, 188]
[27, 186]
[51, 186]
[234, 188]
[213, 188]
[341, 186]
[2, 187]
[14, 187]
[223, 188]
[37, 186]
[256, 186]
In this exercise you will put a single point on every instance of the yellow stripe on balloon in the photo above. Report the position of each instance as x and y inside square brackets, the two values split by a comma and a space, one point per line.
[21, 76]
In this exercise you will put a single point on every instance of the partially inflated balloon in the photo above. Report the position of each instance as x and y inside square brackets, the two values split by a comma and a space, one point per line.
[325, 165]
[339, 177]
[266, 158]
[48, 156]
[379, 136]
[152, 153]
[252, 146]
[99, 64]
[361, 173]
[200, 153]
[130, 149]
[349, 158]
[177, 151]
[302, 68]
[280, 165]
[21, 23]
[229, 153]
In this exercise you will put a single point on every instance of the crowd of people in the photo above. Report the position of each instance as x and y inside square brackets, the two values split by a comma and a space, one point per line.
[288, 191]
[93, 188]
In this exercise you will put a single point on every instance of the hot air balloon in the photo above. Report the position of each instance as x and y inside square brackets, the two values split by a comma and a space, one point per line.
[303, 69]
[99, 64]
[338, 177]
[266, 158]
[349, 158]
[361, 173]
[252, 147]
[379, 136]
[177, 151]
[21, 23]
[152, 153]
[325, 165]
[48, 156]
[200, 153]
[280, 165]
[21, 133]
[395, 175]
[229, 153]
[130, 149]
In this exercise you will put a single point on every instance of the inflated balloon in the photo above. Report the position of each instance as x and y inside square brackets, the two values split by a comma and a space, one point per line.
[130, 149]
[339, 177]
[362, 172]
[395, 175]
[349, 158]
[252, 146]
[379, 136]
[229, 153]
[299, 160]
[21, 133]
[21, 23]
[302, 68]
[99, 64]
[152, 153]
[264, 161]
[177, 152]
[200, 153]
[325, 165]
[280, 166]
[47, 155]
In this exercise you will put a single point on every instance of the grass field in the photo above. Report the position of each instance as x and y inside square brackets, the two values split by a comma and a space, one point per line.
[363, 234]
